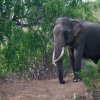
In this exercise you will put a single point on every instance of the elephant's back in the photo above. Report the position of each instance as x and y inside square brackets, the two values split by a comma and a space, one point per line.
[92, 39]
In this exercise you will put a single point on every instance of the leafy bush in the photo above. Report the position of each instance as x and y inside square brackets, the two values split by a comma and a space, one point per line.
[26, 33]
[91, 76]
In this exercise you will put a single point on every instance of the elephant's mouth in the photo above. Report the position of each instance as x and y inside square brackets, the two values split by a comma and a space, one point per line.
[59, 57]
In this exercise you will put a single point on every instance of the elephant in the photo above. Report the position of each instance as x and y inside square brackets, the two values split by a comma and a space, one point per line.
[81, 37]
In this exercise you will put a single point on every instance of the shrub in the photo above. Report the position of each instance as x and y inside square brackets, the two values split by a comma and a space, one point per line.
[91, 77]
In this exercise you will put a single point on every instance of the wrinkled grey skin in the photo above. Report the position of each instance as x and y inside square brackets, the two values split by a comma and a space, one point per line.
[82, 37]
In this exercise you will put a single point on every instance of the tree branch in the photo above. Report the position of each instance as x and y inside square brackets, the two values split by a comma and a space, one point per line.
[18, 22]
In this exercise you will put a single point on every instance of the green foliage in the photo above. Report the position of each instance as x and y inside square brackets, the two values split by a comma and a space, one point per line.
[98, 64]
[21, 48]
[90, 76]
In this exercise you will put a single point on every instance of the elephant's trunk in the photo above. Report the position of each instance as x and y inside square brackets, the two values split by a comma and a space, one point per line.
[57, 59]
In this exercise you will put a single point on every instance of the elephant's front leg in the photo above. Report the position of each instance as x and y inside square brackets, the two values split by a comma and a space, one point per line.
[60, 71]
[71, 57]
[77, 64]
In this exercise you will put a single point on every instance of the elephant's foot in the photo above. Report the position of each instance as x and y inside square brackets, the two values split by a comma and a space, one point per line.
[77, 79]
[62, 82]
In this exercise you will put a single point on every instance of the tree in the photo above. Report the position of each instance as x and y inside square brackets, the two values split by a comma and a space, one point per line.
[26, 32]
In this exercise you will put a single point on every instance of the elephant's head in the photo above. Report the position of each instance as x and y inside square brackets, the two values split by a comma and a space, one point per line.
[65, 31]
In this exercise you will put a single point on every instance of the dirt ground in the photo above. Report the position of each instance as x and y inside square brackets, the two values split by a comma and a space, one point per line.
[40, 90]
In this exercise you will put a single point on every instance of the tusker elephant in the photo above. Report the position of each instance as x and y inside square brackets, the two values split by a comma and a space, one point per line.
[82, 39]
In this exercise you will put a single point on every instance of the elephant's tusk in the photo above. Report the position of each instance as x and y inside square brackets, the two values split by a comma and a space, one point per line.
[53, 57]
[55, 60]
[62, 52]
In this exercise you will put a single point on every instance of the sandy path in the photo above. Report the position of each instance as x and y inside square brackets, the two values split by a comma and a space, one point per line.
[40, 90]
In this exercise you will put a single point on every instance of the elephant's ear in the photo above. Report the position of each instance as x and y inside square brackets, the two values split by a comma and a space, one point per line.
[76, 27]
